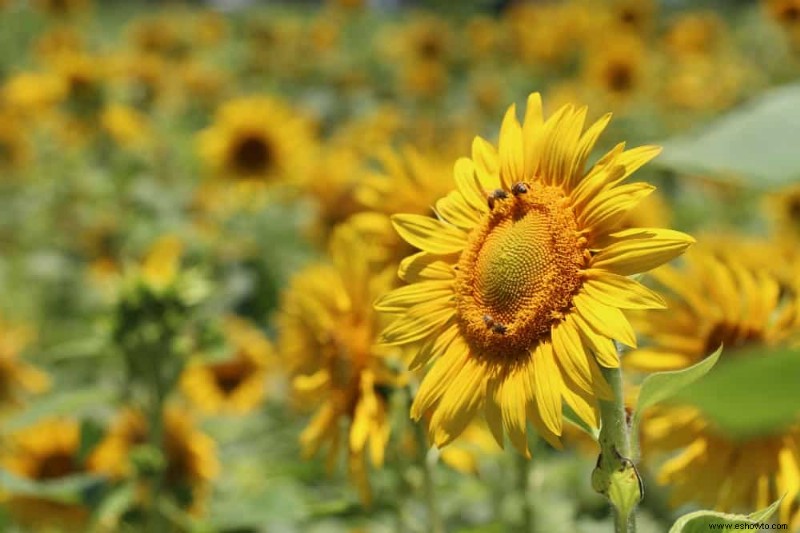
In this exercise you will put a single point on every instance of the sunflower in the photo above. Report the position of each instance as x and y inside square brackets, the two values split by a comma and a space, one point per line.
[327, 335]
[235, 384]
[618, 69]
[191, 461]
[126, 126]
[32, 94]
[256, 139]
[15, 150]
[784, 12]
[517, 292]
[16, 377]
[693, 33]
[61, 8]
[784, 208]
[47, 451]
[713, 302]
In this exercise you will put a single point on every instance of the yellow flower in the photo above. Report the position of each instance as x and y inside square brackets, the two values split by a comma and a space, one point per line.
[784, 12]
[44, 452]
[59, 40]
[715, 302]
[32, 94]
[162, 262]
[16, 377]
[517, 293]
[125, 125]
[695, 32]
[633, 15]
[327, 336]
[257, 139]
[784, 208]
[618, 68]
[15, 150]
[60, 8]
[235, 384]
[191, 461]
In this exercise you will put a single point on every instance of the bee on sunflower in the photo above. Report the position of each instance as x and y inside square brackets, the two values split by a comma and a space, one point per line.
[715, 301]
[328, 335]
[518, 290]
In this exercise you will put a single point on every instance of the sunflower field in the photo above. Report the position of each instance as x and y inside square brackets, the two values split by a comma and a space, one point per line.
[472, 266]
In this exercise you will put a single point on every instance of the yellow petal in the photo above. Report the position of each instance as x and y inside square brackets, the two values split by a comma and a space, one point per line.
[434, 347]
[468, 185]
[619, 291]
[459, 404]
[606, 320]
[417, 323]
[635, 255]
[424, 266]
[429, 234]
[454, 209]
[512, 169]
[547, 386]
[439, 377]
[570, 353]
[416, 293]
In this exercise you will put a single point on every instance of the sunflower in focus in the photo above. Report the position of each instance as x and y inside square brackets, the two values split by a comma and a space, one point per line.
[17, 377]
[256, 139]
[47, 451]
[713, 302]
[517, 293]
[327, 335]
[191, 462]
[233, 385]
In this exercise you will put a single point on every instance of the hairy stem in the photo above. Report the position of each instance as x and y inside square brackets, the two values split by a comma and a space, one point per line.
[615, 475]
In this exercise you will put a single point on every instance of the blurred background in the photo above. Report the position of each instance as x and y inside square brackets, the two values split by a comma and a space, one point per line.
[174, 177]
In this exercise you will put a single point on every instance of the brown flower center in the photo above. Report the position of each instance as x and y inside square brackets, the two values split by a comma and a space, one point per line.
[56, 465]
[519, 271]
[253, 155]
[228, 375]
[619, 77]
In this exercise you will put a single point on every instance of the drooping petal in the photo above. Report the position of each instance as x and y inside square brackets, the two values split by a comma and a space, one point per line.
[547, 385]
[635, 255]
[429, 234]
[619, 291]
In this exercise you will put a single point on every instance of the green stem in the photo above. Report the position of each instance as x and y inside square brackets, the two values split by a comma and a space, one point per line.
[523, 489]
[616, 476]
[434, 518]
[156, 426]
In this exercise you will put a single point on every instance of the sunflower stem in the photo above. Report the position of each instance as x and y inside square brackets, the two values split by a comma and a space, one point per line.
[429, 486]
[615, 475]
[524, 467]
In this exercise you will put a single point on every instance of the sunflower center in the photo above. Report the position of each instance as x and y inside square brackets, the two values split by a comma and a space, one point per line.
[229, 375]
[733, 336]
[620, 78]
[252, 155]
[56, 465]
[519, 271]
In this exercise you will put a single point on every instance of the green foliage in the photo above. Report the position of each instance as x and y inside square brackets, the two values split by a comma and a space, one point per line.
[664, 385]
[699, 521]
[755, 393]
[755, 144]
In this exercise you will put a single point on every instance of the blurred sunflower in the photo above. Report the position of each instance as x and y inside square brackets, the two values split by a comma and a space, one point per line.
[693, 33]
[547, 34]
[784, 209]
[712, 302]
[59, 40]
[191, 462]
[618, 69]
[256, 139]
[45, 452]
[32, 94]
[15, 150]
[124, 125]
[327, 336]
[61, 8]
[517, 294]
[161, 35]
[784, 12]
[17, 377]
[236, 384]
[159, 267]
[633, 15]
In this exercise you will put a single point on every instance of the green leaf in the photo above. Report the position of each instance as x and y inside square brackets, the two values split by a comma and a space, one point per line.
[699, 521]
[664, 385]
[61, 404]
[754, 143]
[70, 489]
[577, 421]
[754, 393]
